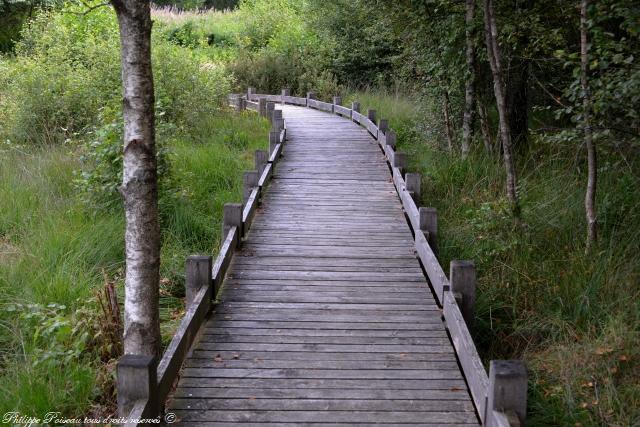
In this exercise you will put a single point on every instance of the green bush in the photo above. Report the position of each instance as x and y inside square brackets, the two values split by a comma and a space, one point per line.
[66, 74]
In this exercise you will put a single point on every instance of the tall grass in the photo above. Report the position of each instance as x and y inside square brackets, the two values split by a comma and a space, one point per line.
[574, 318]
[52, 250]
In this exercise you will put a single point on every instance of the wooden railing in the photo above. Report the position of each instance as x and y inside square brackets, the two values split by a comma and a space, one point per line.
[143, 384]
[500, 397]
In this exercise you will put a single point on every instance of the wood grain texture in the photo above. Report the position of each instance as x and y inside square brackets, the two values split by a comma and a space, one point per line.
[325, 316]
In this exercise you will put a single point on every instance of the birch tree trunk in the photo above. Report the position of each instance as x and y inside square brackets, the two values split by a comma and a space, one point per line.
[493, 52]
[469, 93]
[139, 182]
[592, 179]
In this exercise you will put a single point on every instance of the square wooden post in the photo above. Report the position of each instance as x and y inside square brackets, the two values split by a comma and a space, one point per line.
[462, 276]
[429, 226]
[414, 182]
[198, 274]
[262, 107]
[507, 394]
[231, 217]
[285, 92]
[137, 380]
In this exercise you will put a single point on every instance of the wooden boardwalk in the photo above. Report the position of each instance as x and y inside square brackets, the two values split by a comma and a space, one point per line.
[326, 317]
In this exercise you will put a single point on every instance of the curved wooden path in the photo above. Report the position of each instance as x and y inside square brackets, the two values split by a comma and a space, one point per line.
[326, 317]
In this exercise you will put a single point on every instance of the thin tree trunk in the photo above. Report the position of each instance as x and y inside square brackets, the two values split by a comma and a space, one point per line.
[447, 121]
[491, 30]
[590, 196]
[485, 127]
[139, 181]
[469, 93]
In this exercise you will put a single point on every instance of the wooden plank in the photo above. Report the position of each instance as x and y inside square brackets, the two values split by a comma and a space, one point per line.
[220, 363]
[182, 341]
[446, 389]
[295, 100]
[369, 417]
[436, 275]
[342, 111]
[468, 356]
[250, 209]
[223, 260]
[397, 359]
[322, 405]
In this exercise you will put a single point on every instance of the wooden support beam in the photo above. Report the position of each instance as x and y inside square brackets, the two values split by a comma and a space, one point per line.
[198, 274]
[337, 100]
[261, 160]
[231, 217]
[462, 276]
[263, 107]
[414, 182]
[507, 394]
[429, 226]
[137, 381]
[249, 182]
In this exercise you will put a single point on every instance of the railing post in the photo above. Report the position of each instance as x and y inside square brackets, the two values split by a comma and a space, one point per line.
[429, 226]
[262, 107]
[507, 392]
[337, 100]
[231, 217]
[400, 161]
[285, 92]
[278, 124]
[391, 138]
[355, 106]
[137, 380]
[383, 125]
[462, 276]
[198, 274]
[275, 115]
[270, 108]
[414, 182]
[310, 95]
[261, 160]
[274, 139]
[371, 115]
[249, 182]
[250, 91]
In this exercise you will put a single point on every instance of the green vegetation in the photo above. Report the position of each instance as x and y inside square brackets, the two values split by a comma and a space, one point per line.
[574, 317]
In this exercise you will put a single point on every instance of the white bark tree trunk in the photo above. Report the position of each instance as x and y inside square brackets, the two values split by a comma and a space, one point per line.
[592, 175]
[469, 93]
[139, 181]
[493, 52]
